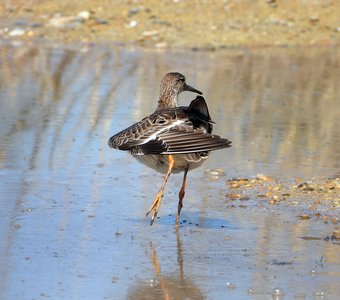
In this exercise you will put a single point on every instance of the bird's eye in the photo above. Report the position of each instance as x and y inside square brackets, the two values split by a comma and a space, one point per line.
[182, 79]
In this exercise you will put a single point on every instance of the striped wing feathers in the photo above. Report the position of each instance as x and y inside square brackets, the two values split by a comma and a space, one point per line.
[167, 132]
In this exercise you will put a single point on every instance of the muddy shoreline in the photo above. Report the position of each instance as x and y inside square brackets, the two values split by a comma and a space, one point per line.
[316, 199]
[173, 24]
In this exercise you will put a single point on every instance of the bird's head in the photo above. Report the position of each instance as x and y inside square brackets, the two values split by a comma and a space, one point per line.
[173, 84]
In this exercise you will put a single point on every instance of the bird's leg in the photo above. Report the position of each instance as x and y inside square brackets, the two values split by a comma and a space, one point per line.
[157, 202]
[181, 196]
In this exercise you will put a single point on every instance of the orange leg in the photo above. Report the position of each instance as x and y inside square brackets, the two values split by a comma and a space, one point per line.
[157, 202]
[181, 196]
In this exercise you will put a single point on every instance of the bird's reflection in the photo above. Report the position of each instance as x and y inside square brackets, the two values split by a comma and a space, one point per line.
[166, 286]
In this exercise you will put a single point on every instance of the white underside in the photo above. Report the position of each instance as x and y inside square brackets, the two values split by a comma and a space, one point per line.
[160, 162]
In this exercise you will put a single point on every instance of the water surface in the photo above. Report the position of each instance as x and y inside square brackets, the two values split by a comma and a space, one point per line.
[72, 210]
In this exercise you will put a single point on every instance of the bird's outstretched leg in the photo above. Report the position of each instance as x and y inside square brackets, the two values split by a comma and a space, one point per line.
[181, 196]
[157, 202]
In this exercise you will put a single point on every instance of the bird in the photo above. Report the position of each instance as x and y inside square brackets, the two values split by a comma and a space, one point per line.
[173, 138]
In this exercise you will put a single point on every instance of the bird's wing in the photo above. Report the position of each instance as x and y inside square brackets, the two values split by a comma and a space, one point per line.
[166, 136]
[145, 131]
[171, 131]
[184, 138]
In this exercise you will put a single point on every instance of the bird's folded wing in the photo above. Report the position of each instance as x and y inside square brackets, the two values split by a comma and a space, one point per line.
[144, 131]
[184, 139]
[164, 134]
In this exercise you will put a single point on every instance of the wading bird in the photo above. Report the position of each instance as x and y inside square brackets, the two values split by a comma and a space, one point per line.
[172, 139]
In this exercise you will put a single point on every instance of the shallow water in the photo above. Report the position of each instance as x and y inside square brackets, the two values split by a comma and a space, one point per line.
[72, 210]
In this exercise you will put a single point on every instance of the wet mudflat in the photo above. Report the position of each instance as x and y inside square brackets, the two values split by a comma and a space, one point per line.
[72, 210]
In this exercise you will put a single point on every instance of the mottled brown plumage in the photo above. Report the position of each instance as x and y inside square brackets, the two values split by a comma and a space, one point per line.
[172, 139]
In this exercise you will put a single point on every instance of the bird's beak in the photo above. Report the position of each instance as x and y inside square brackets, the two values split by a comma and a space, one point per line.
[191, 89]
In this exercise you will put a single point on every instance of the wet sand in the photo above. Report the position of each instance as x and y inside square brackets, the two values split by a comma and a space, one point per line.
[174, 24]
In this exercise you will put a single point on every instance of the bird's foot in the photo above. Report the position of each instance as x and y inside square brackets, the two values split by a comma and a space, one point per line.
[155, 206]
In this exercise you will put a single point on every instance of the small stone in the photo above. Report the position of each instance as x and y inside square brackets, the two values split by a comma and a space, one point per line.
[336, 233]
[16, 32]
[272, 201]
[59, 21]
[134, 11]
[234, 185]
[313, 19]
[277, 292]
[244, 198]
[150, 33]
[230, 285]
[36, 25]
[84, 15]
[215, 172]
[264, 177]
[233, 196]
[161, 22]
[305, 217]
[250, 292]
[161, 45]
[305, 187]
[132, 24]
[101, 22]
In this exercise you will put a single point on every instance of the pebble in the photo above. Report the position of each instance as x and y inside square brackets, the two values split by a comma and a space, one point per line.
[101, 21]
[134, 11]
[84, 15]
[250, 292]
[336, 233]
[305, 217]
[233, 196]
[161, 45]
[161, 22]
[277, 293]
[16, 32]
[264, 177]
[215, 172]
[230, 285]
[313, 19]
[132, 24]
[305, 187]
[65, 22]
[150, 33]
